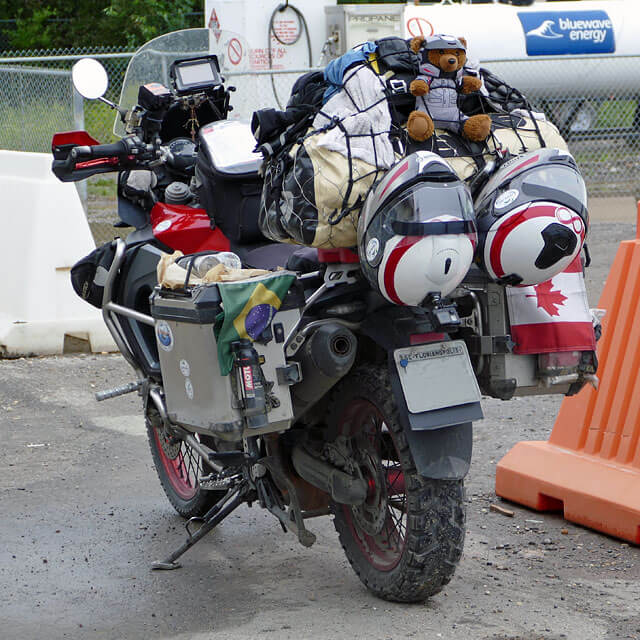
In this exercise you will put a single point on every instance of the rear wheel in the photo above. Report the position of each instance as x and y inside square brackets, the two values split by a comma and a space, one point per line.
[406, 540]
[180, 468]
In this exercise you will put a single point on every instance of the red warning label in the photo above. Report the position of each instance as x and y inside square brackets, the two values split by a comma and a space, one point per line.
[234, 51]
[419, 27]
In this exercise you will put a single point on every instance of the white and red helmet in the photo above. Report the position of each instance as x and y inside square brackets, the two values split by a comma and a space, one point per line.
[416, 233]
[532, 218]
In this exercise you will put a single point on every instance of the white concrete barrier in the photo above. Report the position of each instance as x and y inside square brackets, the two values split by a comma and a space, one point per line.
[44, 232]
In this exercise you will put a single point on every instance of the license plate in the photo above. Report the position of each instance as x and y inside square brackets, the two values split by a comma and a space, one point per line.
[436, 375]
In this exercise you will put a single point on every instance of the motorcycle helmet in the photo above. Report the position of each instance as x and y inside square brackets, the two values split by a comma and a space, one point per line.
[416, 232]
[532, 217]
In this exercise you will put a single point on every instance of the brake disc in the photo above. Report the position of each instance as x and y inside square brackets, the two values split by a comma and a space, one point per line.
[170, 445]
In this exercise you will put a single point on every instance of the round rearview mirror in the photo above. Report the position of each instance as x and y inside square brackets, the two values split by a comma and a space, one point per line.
[89, 78]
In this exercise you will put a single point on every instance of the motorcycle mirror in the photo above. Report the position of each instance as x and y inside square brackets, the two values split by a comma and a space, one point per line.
[89, 78]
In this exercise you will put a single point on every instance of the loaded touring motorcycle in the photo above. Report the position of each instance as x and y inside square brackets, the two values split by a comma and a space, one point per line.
[356, 396]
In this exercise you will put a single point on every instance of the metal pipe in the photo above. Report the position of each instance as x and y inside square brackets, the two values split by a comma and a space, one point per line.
[67, 57]
[34, 71]
[121, 343]
[478, 308]
[130, 313]
[203, 451]
[341, 486]
[291, 349]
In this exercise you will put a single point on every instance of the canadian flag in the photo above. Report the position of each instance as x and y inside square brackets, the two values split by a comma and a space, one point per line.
[552, 316]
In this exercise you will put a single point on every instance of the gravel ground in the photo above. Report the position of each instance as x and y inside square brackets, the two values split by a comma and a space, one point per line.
[84, 515]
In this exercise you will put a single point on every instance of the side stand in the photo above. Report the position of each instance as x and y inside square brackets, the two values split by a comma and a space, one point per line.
[220, 510]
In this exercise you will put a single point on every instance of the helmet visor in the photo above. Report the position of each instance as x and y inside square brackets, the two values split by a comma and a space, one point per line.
[559, 184]
[430, 209]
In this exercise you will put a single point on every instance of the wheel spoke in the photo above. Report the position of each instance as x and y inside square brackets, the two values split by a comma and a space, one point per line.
[183, 470]
[379, 525]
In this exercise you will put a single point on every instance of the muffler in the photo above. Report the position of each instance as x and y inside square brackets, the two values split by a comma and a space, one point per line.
[325, 358]
[342, 487]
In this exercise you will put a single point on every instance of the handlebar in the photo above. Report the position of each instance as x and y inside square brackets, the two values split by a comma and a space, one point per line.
[85, 160]
[102, 150]
[129, 147]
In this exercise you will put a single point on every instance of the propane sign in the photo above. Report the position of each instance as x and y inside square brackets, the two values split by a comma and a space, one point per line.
[254, 35]
[568, 32]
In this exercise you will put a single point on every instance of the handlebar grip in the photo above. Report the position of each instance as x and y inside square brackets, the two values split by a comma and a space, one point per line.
[102, 150]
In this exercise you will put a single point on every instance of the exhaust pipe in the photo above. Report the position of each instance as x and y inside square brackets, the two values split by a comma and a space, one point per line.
[325, 358]
[342, 487]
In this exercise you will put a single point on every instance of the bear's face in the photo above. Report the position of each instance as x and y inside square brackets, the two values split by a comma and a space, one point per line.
[447, 59]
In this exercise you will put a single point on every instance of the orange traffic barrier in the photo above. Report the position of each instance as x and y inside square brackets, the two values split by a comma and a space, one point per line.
[590, 467]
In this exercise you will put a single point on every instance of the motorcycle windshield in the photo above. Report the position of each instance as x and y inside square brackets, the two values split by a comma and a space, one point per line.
[152, 61]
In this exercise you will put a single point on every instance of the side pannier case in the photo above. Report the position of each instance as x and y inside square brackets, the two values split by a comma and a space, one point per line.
[198, 396]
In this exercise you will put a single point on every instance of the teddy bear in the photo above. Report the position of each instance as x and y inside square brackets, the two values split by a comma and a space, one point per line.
[436, 90]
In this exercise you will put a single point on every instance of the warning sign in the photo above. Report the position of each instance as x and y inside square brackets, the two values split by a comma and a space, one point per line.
[214, 23]
[287, 30]
[234, 51]
[419, 27]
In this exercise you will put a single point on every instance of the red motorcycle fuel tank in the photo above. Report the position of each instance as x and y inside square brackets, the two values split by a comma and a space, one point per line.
[186, 229]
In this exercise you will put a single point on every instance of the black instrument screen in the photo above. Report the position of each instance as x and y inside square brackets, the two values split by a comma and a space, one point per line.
[197, 74]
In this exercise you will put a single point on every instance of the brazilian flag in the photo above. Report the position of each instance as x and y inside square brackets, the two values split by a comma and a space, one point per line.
[248, 309]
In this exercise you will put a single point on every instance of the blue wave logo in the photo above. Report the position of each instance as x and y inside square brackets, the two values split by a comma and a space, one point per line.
[545, 30]
[549, 33]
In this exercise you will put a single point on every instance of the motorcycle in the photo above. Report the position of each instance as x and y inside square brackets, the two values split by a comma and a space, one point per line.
[346, 402]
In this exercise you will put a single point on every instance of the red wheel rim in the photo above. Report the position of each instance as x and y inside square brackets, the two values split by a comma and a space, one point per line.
[182, 471]
[379, 527]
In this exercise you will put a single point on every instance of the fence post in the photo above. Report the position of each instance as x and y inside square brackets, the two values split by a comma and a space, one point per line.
[78, 123]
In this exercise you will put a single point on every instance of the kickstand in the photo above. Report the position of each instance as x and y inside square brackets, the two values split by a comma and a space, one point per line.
[220, 510]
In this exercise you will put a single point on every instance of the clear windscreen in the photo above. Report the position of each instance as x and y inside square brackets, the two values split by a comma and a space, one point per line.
[151, 63]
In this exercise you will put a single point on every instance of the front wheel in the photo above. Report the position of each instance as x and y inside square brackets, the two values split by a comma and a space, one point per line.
[406, 540]
[179, 469]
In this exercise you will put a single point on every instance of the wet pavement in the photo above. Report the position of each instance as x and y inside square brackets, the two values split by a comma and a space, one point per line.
[83, 516]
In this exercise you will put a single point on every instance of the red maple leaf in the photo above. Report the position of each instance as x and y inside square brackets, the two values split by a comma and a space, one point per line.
[548, 299]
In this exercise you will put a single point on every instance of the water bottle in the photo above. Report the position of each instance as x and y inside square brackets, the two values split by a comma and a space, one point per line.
[203, 264]
[249, 381]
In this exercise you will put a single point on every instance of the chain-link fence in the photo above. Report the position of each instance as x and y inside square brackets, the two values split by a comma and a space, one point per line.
[37, 99]
[593, 101]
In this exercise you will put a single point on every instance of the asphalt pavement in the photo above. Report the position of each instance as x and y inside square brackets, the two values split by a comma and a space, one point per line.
[83, 516]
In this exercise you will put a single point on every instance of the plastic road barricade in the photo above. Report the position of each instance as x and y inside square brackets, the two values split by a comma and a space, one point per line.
[590, 467]
[45, 231]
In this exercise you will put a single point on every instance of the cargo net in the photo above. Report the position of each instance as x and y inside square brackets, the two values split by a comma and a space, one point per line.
[336, 140]
[314, 189]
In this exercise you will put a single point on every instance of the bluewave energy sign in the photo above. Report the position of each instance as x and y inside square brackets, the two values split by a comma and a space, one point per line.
[567, 32]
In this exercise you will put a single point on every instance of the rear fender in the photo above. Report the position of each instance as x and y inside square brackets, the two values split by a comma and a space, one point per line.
[440, 440]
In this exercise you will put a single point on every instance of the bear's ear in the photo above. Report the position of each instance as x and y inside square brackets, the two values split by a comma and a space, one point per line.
[463, 40]
[416, 43]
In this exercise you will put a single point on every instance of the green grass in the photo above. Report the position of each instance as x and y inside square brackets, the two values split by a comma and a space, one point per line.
[101, 187]
[31, 126]
[616, 113]
[98, 121]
